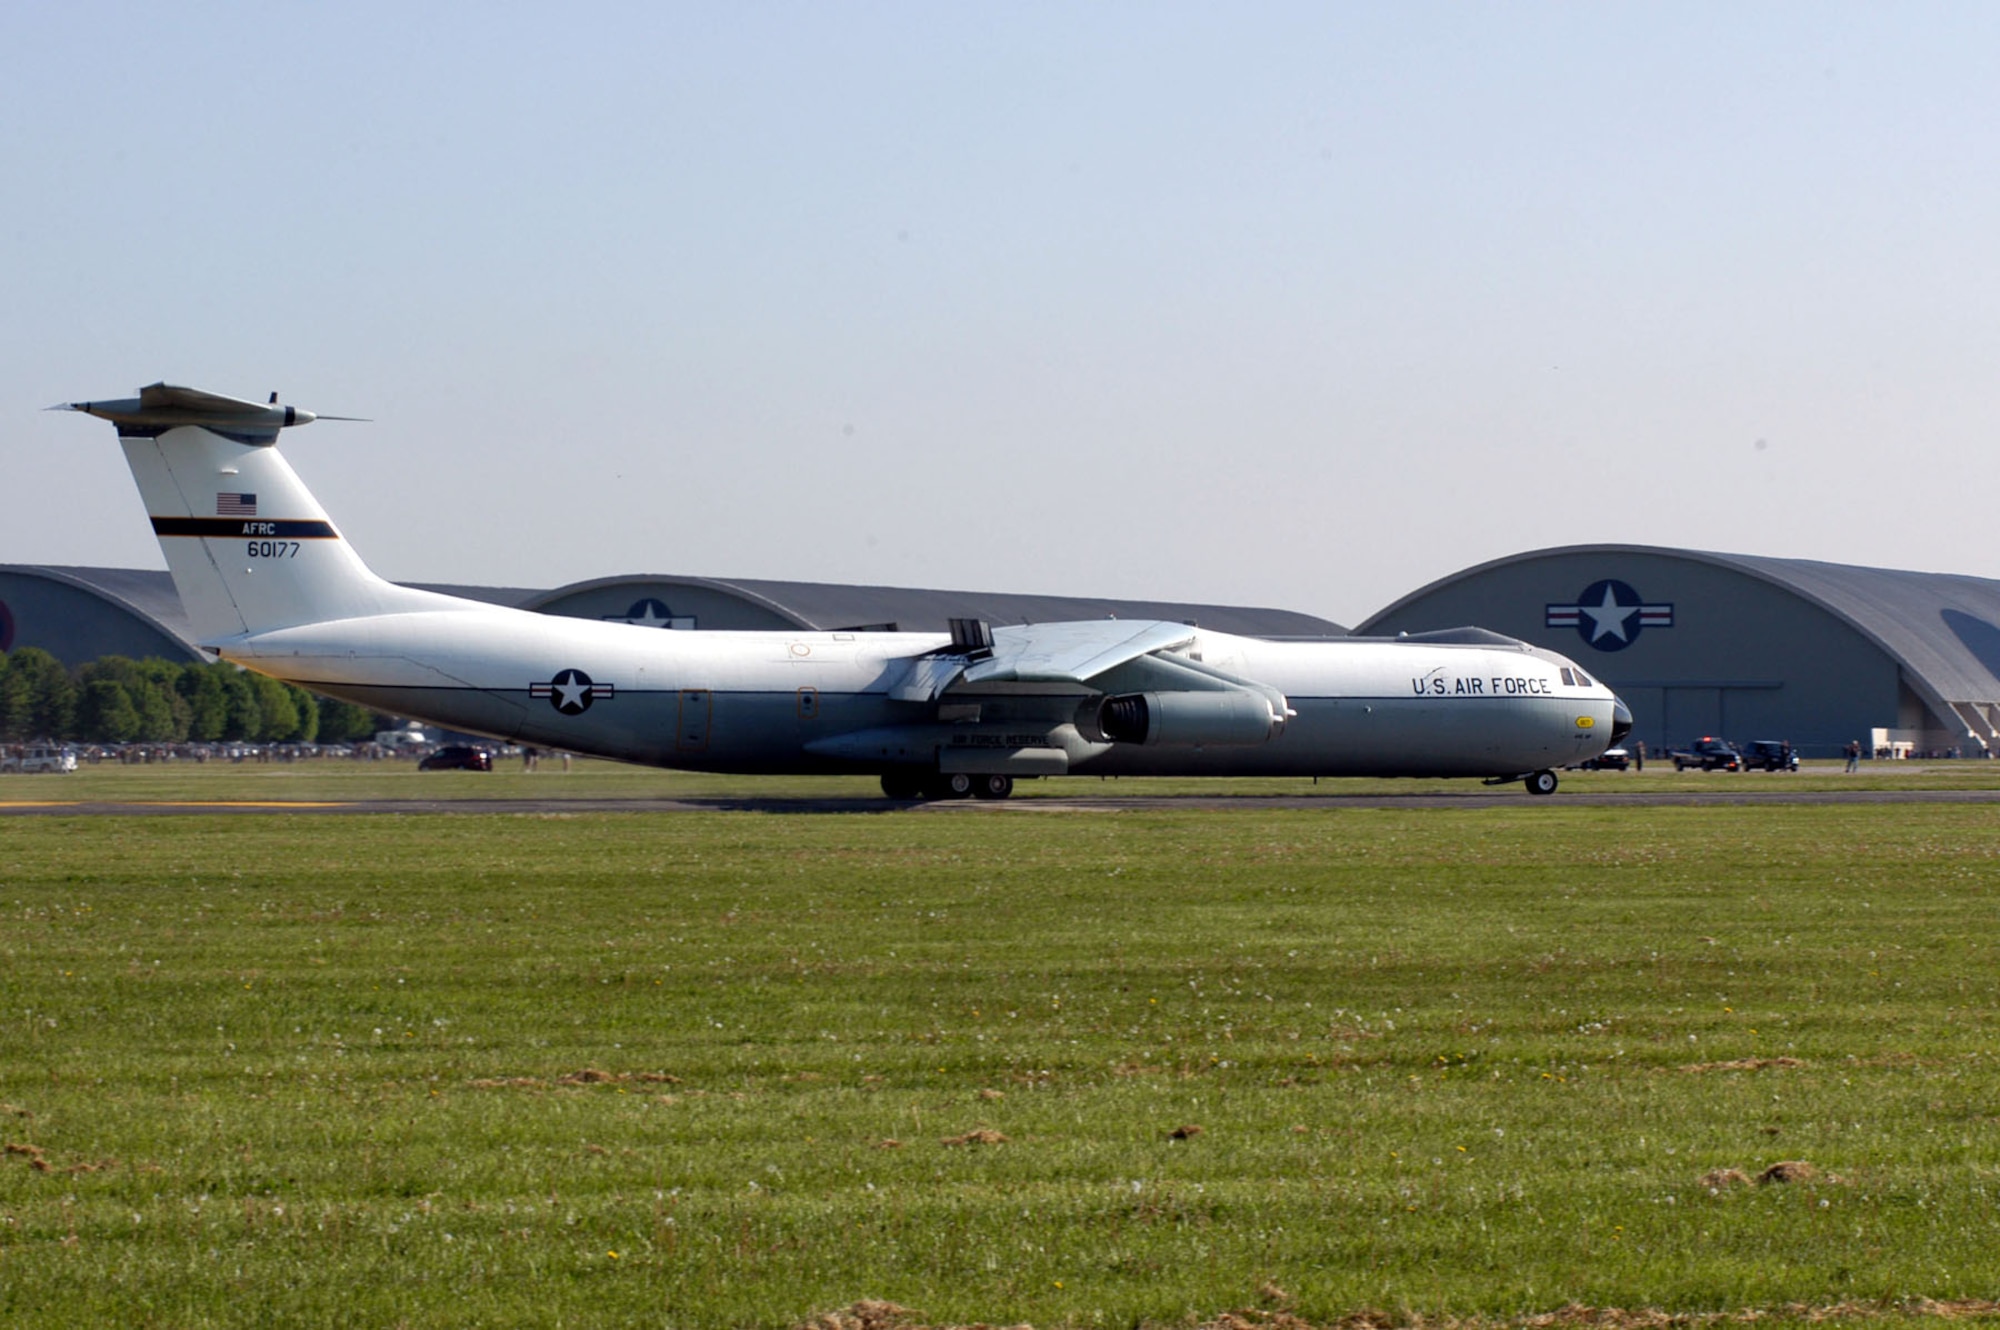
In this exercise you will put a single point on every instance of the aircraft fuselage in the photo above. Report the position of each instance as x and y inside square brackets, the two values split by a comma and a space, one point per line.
[823, 702]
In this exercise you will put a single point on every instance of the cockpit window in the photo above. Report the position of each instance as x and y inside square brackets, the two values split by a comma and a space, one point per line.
[1569, 677]
[1582, 678]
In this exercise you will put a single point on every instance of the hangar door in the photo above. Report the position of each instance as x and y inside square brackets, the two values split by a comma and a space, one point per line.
[1736, 711]
[1691, 712]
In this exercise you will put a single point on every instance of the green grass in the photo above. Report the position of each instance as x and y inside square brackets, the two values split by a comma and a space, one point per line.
[311, 1070]
[343, 779]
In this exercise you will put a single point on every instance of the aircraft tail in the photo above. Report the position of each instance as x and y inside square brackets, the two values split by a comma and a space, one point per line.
[249, 547]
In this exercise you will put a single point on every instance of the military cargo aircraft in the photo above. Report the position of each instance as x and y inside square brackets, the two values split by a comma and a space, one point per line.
[268, 583]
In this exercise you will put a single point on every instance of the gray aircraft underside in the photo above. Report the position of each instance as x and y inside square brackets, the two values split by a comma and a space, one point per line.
[269, 583]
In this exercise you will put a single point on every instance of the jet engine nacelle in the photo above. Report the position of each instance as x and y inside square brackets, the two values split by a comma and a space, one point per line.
[1231, 716]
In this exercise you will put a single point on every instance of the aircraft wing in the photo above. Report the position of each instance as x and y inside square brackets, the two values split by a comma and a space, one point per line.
[1041, 653]
[1116, 681]
[1072, 652]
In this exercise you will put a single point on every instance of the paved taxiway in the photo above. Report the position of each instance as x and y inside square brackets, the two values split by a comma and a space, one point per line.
[558, 807]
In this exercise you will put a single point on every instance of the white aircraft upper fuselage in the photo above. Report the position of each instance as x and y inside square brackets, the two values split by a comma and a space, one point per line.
[269, 584]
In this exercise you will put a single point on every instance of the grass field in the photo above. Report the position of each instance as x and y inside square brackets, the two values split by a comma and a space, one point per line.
[706, 1069]
[332, 779]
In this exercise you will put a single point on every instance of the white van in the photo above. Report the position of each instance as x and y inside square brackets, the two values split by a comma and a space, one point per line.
[39, 758]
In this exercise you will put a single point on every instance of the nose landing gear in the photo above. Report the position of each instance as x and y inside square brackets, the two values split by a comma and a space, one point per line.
[1538, 782]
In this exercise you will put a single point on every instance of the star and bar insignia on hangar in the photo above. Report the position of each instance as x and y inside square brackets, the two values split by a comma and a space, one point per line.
[651, 612]
[571, 691]
[1610, 615]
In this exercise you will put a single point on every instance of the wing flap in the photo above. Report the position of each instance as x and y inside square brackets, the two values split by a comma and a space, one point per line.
[924, 677]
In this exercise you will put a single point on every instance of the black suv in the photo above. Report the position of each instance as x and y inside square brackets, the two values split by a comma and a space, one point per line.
[1770, 755]
[1708, 755]
[457, 758]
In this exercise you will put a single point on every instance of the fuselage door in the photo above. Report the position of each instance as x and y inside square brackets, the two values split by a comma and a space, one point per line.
[691, 732]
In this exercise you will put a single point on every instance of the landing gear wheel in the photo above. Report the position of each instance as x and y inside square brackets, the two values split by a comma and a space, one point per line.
[993, 787]
[958, 785]
[902, 785]
[1541, 782]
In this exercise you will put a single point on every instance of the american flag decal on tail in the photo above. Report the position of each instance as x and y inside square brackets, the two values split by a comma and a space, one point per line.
[235, 505]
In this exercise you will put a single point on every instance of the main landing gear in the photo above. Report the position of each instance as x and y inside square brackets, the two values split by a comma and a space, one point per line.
[958, 785]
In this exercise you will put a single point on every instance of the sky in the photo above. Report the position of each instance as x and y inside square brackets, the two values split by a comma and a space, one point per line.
[1296, 305]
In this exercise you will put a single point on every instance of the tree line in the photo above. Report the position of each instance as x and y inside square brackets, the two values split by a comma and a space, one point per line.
[115, 699]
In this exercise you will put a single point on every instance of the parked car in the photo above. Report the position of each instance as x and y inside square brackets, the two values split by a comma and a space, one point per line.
[457, 757]
[1611, 759]
[40, 757]
[1770, 755]
[1708, 754]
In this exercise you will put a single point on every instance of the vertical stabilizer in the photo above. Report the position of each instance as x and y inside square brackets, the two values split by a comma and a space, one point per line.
[249, 547]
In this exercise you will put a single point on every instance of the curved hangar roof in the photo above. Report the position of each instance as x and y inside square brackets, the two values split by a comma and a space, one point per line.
[79, 614]
[1809, 650]
[705, 602]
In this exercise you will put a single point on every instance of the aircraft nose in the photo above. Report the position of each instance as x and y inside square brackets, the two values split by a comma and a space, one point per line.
[1621, 720]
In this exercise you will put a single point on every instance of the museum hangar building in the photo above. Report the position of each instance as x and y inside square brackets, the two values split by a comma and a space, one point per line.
[1744, 647]
[80, 614]
[1737, 646]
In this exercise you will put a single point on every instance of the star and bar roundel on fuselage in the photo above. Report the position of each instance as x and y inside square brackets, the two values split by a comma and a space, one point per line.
[571, 692]
[1609, 615]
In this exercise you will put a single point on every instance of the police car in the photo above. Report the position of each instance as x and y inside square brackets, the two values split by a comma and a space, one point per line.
[1708, 754]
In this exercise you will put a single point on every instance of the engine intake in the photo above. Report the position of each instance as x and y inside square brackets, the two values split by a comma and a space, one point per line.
[1232, 717]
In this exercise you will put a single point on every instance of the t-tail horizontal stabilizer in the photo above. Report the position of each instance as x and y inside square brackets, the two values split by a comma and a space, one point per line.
[250, 549]
[163, 406]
